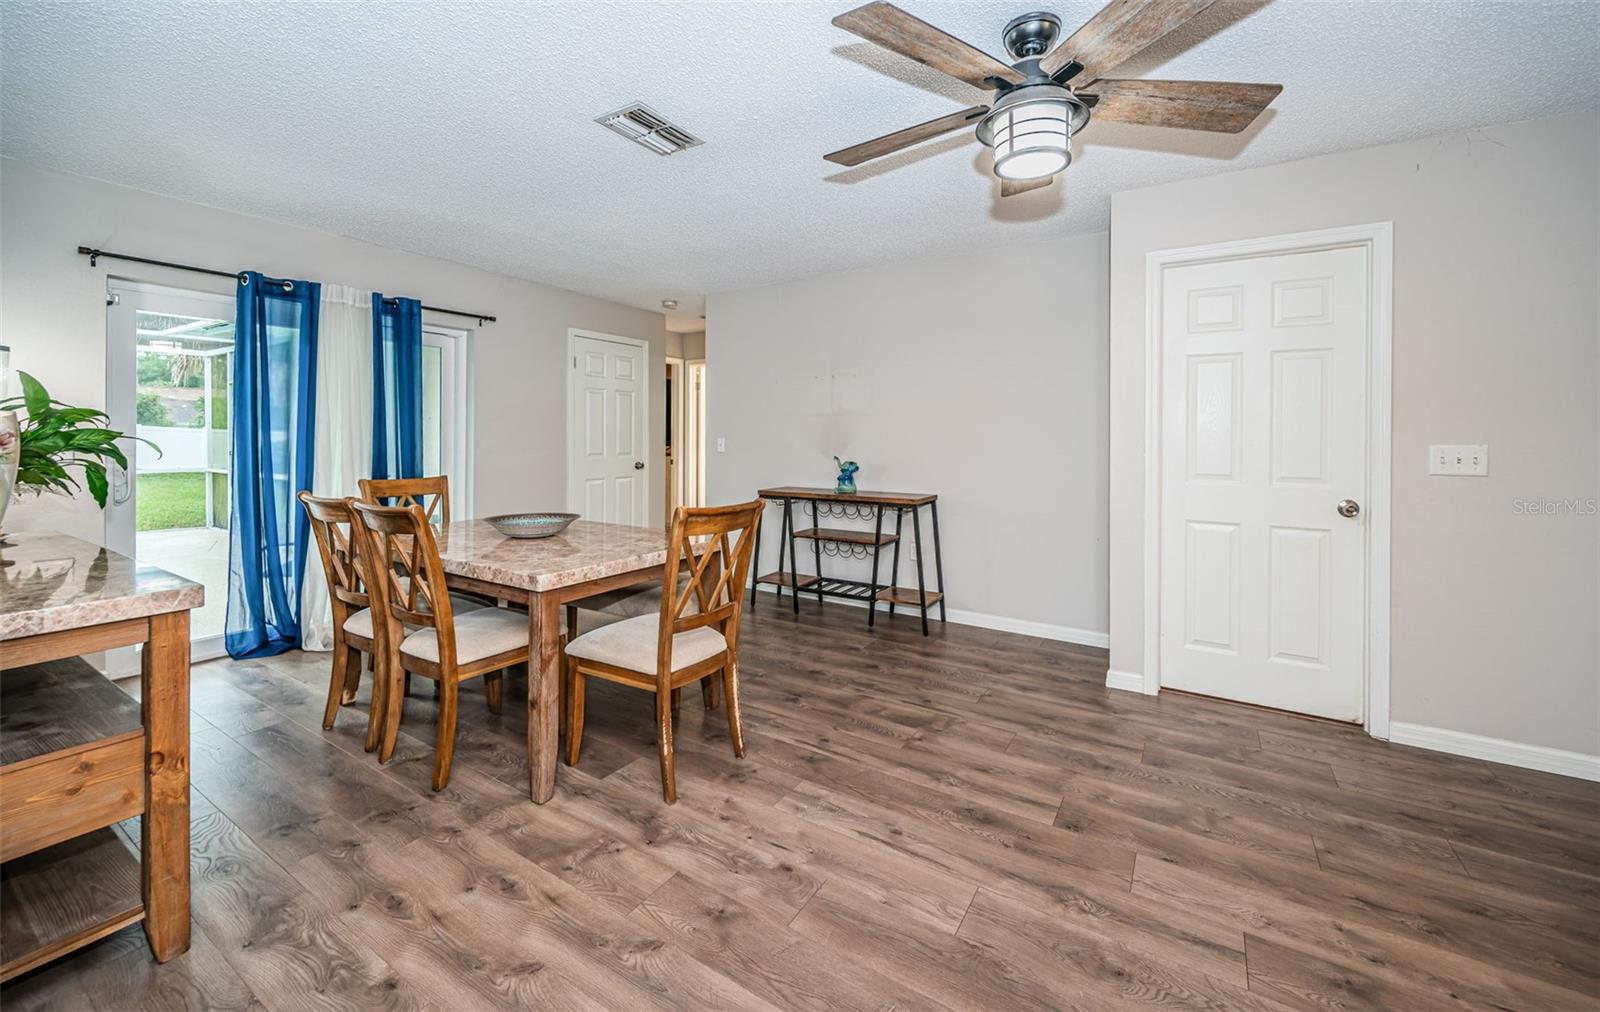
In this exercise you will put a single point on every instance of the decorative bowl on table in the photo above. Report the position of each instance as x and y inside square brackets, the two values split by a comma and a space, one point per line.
[532, 525]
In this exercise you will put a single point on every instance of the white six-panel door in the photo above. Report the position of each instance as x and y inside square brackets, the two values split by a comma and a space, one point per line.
[1263, 435]
[607, 430]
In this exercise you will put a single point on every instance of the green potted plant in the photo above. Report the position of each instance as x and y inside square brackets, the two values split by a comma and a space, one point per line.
[38, 454]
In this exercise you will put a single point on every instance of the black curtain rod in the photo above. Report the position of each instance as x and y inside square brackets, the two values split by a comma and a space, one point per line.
[95, 254]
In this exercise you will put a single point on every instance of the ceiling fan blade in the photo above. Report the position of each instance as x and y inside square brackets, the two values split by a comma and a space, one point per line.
[889, 143]
[1012, 187]
[1120, 31]
[1220, 106]
[894, 29]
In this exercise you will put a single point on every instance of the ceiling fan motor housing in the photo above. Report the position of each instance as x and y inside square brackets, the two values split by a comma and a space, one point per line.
[1031, 35]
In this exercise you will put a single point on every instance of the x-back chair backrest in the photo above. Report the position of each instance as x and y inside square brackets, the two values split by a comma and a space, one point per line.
[712, 545]
[431, 494]
[339, 547]
[405, 576]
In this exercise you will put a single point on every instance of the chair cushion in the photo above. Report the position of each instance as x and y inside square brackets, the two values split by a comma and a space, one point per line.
[360, 623]
[479, 634]
[631, 644]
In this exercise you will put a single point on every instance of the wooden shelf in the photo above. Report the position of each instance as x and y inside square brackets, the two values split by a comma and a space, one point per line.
[71, 755]
[908, 597]
[806, 494]
[59, 706]
[844, 536]
[786, 579]
[60, 899]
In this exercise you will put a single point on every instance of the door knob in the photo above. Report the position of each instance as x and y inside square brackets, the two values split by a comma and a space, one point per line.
[638, 465]
[1349, 507]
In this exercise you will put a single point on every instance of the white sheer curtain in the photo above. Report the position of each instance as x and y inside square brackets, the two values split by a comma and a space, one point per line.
[343, 431]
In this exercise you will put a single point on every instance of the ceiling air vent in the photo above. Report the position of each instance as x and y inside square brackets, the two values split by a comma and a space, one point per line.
[643, 125]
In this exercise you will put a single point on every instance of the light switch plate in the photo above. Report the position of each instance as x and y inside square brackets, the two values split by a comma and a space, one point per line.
[722, 444]
[1463, 459]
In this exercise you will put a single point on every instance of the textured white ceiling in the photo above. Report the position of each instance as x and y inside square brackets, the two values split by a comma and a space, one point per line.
[464, 130]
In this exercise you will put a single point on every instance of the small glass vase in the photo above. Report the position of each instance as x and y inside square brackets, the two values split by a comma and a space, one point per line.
[10, 456]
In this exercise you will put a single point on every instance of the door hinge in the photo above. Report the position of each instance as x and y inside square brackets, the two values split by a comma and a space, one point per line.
[113, 299]
[574, 361]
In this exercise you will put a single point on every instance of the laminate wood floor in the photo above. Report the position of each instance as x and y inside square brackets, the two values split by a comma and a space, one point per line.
[965, 821]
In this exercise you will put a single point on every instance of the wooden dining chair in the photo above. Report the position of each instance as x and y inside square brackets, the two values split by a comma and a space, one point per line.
[432, 494]
[693, 636]
[420, 631]
[331, 521]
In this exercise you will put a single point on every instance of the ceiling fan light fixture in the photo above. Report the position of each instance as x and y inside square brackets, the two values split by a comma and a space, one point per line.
[1032, 142]
[1031, 131]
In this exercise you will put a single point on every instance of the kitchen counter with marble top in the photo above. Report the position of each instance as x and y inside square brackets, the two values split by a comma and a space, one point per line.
[52, 582]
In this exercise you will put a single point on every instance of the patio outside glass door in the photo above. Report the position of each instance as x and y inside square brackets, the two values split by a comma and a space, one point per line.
[169, 378]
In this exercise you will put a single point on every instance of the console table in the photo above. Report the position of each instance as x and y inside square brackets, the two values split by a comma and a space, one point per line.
[827, 503]
[78, 755]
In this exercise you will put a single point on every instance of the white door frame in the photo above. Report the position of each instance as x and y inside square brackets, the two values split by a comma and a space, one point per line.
[1377, 239]
[455, 345]
[694, 407]
[120, 521]
[574, 482]
[672, 477]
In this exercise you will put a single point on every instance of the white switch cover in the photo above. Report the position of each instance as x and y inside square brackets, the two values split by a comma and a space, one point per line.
[722, 444]
[1470, 458]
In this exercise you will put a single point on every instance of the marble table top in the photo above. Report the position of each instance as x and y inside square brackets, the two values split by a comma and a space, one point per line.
[583, 552]
[51, 582]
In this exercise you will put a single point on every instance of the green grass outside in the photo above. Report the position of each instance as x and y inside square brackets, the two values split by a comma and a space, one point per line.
[168, 501]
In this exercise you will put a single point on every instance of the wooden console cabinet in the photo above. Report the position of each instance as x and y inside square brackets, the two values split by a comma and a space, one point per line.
[78, 755]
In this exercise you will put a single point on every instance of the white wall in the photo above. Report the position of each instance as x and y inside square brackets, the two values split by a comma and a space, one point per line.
[1496, 340]
[980, 377]
[52, 314]
[688, 346]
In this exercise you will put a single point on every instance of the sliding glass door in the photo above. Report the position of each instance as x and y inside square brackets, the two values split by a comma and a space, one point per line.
[446, 418]
[169, 376]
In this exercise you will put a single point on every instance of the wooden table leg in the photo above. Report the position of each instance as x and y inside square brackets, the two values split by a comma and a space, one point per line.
[544, 693]
[164, 830]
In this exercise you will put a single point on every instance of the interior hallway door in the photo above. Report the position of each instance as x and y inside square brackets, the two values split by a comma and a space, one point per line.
[608, 430]
[1263, 542]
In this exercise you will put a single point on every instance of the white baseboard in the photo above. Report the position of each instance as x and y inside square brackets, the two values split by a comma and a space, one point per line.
[1043, 630]
[1022, 627]
[1497, 750]
[1127, 681]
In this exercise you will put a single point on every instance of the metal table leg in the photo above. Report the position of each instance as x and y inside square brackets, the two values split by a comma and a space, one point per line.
[894, 571]
[794, 570]
[783, 537]
[877, 550]
[938, 556]
[755, 556]
[816, 550]
[922, 591]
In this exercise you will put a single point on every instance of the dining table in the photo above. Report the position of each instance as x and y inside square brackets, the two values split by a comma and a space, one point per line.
[547, 574]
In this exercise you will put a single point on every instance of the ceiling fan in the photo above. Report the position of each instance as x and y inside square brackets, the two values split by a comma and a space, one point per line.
[1045, 97]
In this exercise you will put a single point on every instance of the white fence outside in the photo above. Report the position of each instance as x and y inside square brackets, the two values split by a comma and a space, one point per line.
[181, 449]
